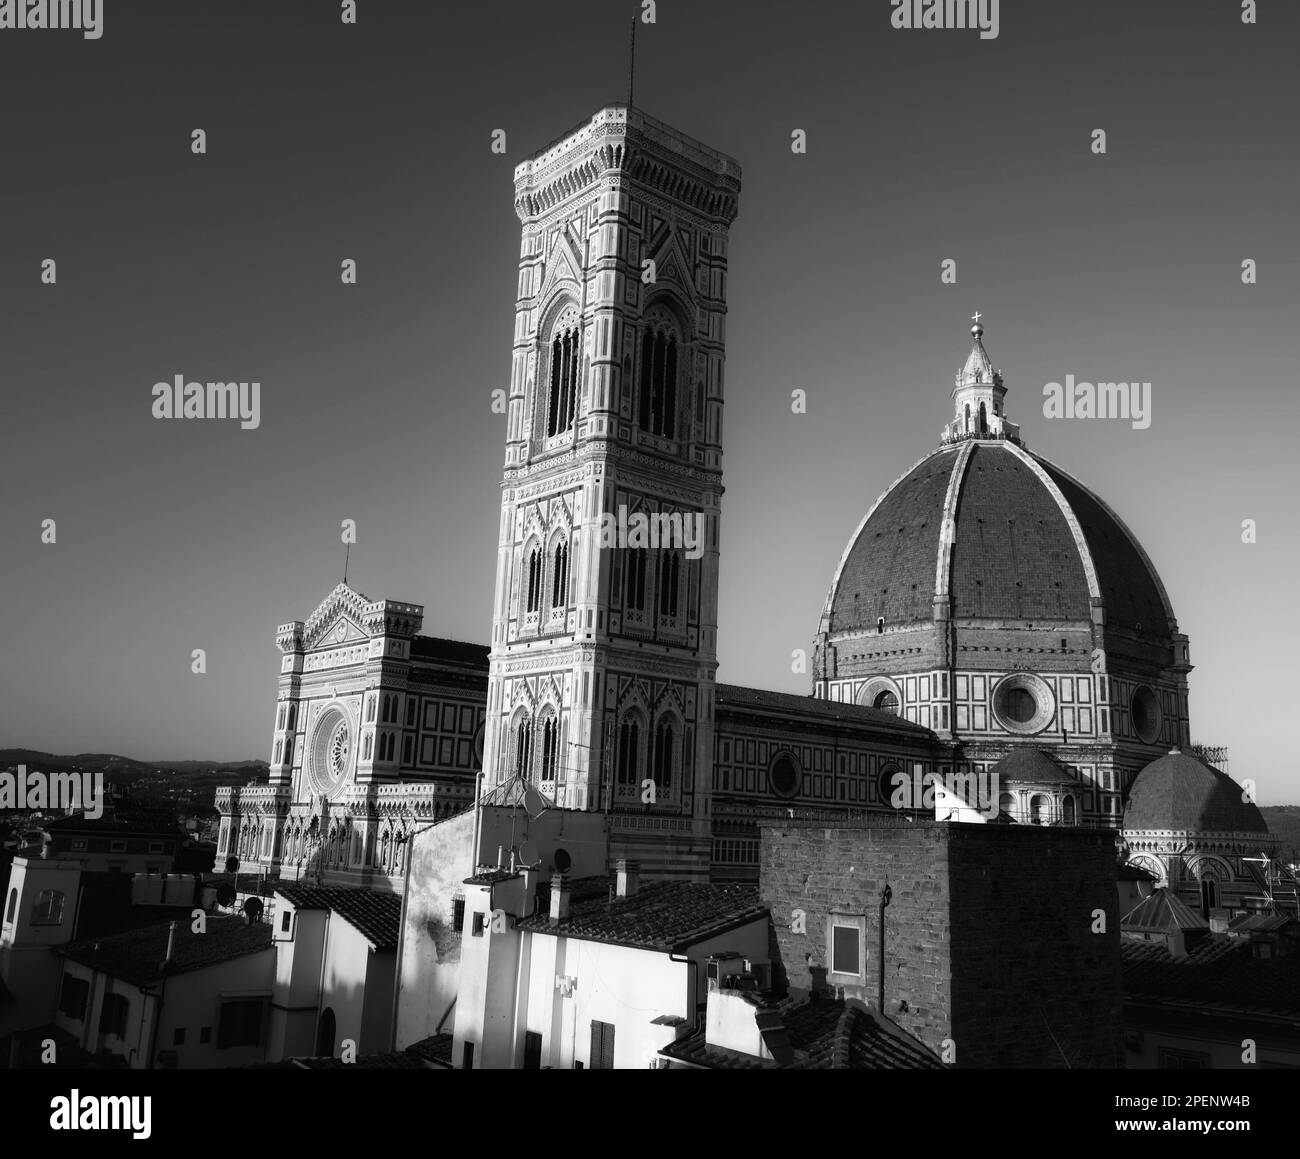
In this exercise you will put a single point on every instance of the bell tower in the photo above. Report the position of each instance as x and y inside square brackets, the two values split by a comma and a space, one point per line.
[604, 638]
[978, 397]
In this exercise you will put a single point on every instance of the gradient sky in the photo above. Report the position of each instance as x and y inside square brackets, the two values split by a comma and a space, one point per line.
[372, 142]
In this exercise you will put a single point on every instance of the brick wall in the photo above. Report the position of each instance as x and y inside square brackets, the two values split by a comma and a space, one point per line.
[988, 937]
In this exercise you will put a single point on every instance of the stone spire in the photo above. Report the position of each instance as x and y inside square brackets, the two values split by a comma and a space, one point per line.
[978, 394]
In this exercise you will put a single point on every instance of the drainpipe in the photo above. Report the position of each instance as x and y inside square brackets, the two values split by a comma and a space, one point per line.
[162, 990]
[886, 895]
[478, 815]
[408, 839]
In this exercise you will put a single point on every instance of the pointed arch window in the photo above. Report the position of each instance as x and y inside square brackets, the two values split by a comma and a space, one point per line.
[560, 576]
[629, 753]
[669, 579]
[984, 420]
[634, 579]
[534, 600]
[564, 380]
[523, 745]
[664, 756]
[658, 403]
[550, 748]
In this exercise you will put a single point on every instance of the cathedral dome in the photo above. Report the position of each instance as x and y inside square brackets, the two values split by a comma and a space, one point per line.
[985, 530]
[1180, 793]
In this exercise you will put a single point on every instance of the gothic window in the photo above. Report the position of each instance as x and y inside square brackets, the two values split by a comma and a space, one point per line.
[278, 747]
[560, 576]
[366, 755]
[968, 418]
[634, 582]
[523, 745]
[406, 750]
[984, 420]
[370, 709]
[663, 757]
[534, 601]
[564, 379]
[410, 712]
[629, 752]
[658, 410]
[550, 748]
[293, 714]
[279, 718]
[669, 576]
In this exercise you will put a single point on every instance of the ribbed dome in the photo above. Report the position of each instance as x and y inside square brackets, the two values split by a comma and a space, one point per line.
[1029, 766]
[1179, 792]
[1029, 543]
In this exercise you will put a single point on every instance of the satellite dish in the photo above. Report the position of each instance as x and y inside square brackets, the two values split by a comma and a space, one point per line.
[232, 864]
[529, 855]
[253, 910]
[225, 894]
[534, 803]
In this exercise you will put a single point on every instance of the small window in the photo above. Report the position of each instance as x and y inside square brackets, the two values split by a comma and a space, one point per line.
[477, 926]
[73, 996]
[467, 1056]
[117, 847]
[13, 905]
[846, 950]
[178, 1036]
[532, 1050]
[285, 919]
[155, 847]
[241, 1024]
[205, 1035]
[48, 910]
[458, 914]
[602, 1045]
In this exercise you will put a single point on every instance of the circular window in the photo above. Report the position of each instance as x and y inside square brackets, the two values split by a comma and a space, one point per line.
[886, 702]
[1023, 703]
[783, 776]
[330, 751]
[1146, 714]
[563, 862]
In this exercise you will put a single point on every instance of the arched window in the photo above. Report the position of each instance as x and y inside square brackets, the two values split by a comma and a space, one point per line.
[534, 601]
[523, 746]
[1007, 805]
[663, 757]
[968, 418]
[1067, 811]
[887, 701]
[634, 579]
[984, 420]
[550, 748]
[564, 380]
[629, 752]
[48, 909]
[669, 575]
[658, 410]
[560, 576]
[1038, 810]
[370, 709]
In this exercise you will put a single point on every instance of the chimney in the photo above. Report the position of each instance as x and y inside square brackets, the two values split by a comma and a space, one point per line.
[629, 877]
[1177, 943]
[1218, 921]
[561, 894]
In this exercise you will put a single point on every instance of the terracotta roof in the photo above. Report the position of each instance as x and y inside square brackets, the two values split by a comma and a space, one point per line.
[136, 956]
[491, 877]
[817, 1035]
[661, 915]
[435, 1049]
[1179, 793]
[450, 651]
[1029, 766]
[735, 698]
[1163, 912]
[375, 914]
[1218, 974]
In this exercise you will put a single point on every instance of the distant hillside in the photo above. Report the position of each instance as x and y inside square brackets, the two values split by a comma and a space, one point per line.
[119, 769]
[1283, 822]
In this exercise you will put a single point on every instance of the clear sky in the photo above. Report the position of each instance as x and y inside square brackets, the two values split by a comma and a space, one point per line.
[372, 142]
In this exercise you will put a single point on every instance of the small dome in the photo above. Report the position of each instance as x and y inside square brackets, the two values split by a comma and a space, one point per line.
[1029, 766]
[1179, 792]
